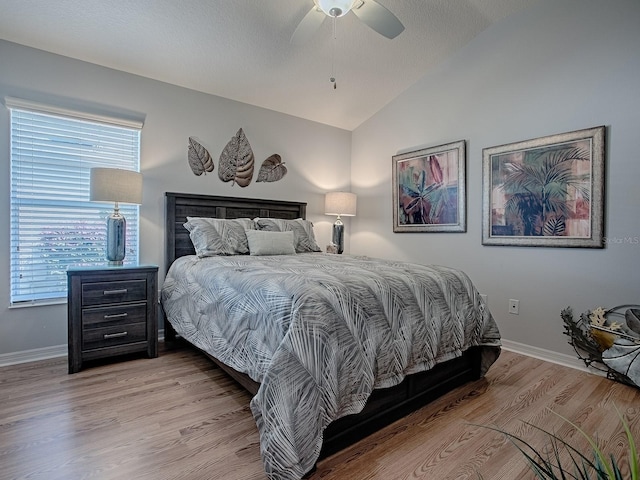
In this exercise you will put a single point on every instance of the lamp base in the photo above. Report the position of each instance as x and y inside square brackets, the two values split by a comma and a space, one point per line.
[116, 233]
[338, 235]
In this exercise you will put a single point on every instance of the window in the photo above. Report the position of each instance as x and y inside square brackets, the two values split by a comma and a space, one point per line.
[53, 223]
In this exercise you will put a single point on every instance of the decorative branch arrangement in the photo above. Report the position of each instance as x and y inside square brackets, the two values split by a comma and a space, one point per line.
[607, 345]
[236, 162]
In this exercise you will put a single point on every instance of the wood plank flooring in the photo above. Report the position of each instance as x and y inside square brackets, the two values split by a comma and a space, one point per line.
[180, 417]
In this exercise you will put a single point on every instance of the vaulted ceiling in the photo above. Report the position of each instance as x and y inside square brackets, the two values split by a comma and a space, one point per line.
[241, 49]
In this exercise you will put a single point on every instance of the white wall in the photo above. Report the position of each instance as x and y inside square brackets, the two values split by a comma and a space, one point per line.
[315, 156]
[561, 65]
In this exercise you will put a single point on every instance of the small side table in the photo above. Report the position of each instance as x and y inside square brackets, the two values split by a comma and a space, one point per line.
[111, 311]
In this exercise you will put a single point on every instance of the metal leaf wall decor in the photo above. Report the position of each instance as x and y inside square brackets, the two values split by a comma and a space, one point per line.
[199, 159]
[236, 161]
[272, 169]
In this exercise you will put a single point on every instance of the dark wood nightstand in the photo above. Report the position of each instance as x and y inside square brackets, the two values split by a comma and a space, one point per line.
[112, 311]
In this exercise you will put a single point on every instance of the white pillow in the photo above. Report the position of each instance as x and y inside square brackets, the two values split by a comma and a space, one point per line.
[304, 239]
[270, 243]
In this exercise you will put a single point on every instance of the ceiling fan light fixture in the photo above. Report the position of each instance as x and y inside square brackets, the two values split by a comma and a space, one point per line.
[335, 8]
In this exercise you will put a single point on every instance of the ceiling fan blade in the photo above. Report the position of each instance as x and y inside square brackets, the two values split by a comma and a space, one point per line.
[378, 18]
[308, 26]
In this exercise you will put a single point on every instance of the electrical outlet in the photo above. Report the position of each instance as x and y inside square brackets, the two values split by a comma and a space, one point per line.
[514, 306]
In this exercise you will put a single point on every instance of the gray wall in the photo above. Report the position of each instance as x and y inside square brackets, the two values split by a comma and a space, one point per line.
[315, 156]
[561, 65]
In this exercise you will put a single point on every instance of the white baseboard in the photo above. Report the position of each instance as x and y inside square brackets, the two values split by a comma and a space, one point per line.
[34, 355]
[549, 356]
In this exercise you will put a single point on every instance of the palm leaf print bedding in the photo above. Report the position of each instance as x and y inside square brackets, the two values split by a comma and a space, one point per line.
[320, 332]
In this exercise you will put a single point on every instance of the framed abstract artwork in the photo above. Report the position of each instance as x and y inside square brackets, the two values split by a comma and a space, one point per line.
[546, 192]
[429, 189]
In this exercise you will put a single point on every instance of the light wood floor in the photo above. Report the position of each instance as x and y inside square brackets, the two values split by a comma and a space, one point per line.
[179, 417]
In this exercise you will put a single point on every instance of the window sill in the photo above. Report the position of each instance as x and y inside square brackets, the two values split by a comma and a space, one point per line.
[38, 303]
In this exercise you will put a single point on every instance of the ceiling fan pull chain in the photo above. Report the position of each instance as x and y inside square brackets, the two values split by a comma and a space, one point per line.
[333, 55]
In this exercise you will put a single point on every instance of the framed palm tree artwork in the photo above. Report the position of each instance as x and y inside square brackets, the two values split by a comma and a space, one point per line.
[546, 192]
[429, 189]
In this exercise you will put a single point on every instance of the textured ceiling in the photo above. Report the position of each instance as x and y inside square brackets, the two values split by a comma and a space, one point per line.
[240, 49]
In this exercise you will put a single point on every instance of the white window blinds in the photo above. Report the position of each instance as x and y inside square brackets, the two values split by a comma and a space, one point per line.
[53, 223]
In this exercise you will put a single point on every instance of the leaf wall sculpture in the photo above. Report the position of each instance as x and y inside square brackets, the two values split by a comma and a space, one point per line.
[236, 161]
[199, 159]
[272, 169]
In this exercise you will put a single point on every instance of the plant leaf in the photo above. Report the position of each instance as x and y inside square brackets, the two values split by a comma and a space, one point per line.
[549, 466]
[236, 161]
[272, 169]
[199, 159]
[554, 226]
[434, 168]
[634, 464]
[600, 458]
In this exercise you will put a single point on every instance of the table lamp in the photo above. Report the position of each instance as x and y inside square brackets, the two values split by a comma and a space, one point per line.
[119, 186]
[340, 204]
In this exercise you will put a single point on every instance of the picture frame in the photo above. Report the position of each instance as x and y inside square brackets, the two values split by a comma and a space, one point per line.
[545, 192]
[429, 189]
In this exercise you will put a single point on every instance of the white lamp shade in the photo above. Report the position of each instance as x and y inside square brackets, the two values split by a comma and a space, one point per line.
[340, 203]
[116, 185]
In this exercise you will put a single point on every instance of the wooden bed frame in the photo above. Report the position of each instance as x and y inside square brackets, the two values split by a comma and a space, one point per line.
[385, 405]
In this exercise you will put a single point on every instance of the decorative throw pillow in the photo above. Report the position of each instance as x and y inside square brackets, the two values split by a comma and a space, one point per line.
[217, 236]
[304, 239]
[262, 242]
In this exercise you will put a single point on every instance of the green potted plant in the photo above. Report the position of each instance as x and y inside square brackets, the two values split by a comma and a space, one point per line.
[551, 464]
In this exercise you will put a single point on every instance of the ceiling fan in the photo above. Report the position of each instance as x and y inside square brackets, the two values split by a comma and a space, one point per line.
[370, 12]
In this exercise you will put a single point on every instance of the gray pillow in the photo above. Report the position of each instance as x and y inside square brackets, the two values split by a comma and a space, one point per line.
[217, 236]
[262, 242]
[304, 239]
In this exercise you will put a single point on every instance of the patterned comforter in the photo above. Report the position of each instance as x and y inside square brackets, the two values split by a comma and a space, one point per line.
[320, 332]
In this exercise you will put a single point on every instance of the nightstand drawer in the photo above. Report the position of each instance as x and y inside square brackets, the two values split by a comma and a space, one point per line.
[114, 335]
[112, 316]
[103, 293]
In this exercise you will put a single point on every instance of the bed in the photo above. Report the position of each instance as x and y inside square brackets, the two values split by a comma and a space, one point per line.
[302, 293]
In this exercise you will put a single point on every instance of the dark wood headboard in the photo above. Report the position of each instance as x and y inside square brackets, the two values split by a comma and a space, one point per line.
[178, 206]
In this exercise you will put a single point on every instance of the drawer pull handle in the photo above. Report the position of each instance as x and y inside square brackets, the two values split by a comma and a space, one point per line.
[115, 315]
[107, 336]
[119, 291]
